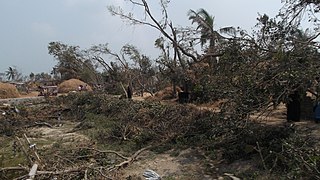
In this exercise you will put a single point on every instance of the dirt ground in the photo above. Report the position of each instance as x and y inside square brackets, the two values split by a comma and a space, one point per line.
[62, 134]
[186, 164]
[30, 94]
[277, 117]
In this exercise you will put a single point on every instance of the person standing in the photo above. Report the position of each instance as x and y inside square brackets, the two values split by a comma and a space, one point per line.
[316, 111]
[129, 92]
[293, 107]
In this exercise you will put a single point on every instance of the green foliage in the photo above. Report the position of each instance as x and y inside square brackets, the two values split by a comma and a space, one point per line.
[250, 73]
[297, 157]
[11, 73]
[141, 122]
[130, 125]
[10, 156]
[205, 25]
[72, 62]
[7, 128]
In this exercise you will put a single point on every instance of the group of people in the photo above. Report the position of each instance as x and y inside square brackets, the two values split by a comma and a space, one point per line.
[294, 109]
[82, 87]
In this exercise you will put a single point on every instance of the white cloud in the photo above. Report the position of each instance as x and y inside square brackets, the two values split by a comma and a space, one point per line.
[44, 29]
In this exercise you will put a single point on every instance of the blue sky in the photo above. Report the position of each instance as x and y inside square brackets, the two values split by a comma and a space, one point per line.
[28, 26]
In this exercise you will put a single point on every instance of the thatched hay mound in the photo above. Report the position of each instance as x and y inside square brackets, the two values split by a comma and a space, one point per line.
[8, 91]
[167, 93]
[72, 85]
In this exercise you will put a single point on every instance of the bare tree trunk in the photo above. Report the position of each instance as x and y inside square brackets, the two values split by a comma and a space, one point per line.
[174, 88]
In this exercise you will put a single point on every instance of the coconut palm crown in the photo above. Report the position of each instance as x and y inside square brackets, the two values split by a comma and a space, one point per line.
[205, 25]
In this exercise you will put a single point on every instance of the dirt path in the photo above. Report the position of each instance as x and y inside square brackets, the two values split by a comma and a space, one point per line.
[184, 165]
[277, 117]
[21, 100]
[46, 137]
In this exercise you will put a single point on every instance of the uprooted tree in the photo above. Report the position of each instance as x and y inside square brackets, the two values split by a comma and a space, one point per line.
[129, 67]
[72, 63]
[249, 71]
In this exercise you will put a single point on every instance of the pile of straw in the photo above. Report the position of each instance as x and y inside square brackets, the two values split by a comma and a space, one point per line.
[167, 93]
[8, 91]
[72, 85]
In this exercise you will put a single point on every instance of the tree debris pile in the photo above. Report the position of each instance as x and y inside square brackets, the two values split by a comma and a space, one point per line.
[120, 129]
[165, 126]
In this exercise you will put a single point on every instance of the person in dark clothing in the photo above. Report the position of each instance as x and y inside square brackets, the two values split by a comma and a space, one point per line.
[293, 107]
[129, 92]
[316, 111]
[183, 97]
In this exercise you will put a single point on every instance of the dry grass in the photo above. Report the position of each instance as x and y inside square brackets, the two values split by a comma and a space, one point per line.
[166, 93]
[72, 85]
[8, 91]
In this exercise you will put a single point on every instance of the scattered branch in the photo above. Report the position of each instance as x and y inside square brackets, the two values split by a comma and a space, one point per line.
[131, 159]
[33, 147]
[24, 151]
[107, 152]
[258, 149]
[14, 169]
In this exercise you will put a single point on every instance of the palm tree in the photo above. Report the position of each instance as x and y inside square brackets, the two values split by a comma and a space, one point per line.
[205, 24]
[11, 73]
[31, 76]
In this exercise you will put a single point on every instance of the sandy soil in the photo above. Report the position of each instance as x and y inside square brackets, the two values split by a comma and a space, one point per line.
[31, 94]
[184, 165]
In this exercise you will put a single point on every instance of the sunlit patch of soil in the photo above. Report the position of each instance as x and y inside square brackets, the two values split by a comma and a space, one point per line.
[185, 165]
[59, 134]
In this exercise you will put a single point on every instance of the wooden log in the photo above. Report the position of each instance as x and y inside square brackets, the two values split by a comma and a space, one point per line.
[33, 172]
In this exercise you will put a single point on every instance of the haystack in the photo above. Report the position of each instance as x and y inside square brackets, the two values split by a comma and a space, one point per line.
[72, 85]
[166, 93]
[8, 91]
